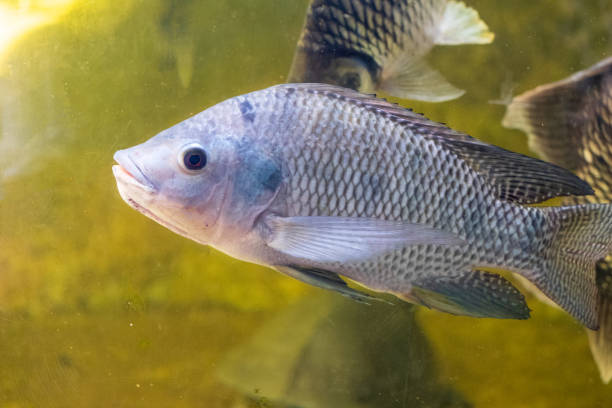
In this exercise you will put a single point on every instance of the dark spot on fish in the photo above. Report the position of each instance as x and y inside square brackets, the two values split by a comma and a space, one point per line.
[265, 173]
[258, 175]
[248, 113]
[273, 180]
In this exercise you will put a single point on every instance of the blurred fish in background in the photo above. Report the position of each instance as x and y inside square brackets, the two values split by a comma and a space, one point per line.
[570, 124]
[328, 351]
[177, 39]
[379, 45]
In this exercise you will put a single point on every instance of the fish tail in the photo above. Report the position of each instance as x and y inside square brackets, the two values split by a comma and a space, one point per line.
[545, 114]
[601, 340]
[461, 24]
[576, 238]
[405, 73]
[549, 113]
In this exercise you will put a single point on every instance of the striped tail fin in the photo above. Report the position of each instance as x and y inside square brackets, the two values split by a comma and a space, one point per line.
[578, 237]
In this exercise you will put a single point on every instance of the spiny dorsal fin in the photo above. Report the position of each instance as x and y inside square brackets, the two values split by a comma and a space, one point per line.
[516, 177]
[513, 176]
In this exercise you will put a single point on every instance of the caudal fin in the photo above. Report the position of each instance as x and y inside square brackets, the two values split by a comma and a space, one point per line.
[404, 72]
[601, 340]
[461, 24]
[577, 238]
[553, 115]
[546, 114]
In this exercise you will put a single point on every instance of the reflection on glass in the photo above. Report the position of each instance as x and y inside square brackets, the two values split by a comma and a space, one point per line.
[329, 351]
[17, 18]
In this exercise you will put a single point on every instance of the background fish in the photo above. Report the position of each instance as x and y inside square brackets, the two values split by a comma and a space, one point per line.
[379, 45]
[570, 124]
[321, 182]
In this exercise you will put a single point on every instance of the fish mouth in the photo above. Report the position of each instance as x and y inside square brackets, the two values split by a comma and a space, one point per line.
[124, 177]
[128, 171]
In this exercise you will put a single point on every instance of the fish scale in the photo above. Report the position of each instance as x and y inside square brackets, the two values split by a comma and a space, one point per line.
[384, 26]
[421, 162]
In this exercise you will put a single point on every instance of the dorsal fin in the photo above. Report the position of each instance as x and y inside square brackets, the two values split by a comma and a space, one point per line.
[513, 176]
[518, 178]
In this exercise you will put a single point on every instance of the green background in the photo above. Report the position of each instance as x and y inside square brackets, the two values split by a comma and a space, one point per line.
[99, 306]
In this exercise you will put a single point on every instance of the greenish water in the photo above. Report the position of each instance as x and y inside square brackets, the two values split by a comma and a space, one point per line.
[100, 306]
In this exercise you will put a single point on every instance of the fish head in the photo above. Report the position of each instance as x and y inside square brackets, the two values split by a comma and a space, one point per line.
[204, 178]
[349, 71]
[178, 178]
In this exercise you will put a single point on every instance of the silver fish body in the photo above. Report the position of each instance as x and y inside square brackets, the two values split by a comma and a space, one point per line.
[321, 182]
[569, 123]
[379, 45]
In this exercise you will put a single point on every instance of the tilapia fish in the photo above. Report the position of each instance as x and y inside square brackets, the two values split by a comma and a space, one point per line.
[570, 124]
[379, 45]
[322, 182]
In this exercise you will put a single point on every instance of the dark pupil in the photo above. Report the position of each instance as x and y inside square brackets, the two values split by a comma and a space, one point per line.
[195, 159]
[351, 80]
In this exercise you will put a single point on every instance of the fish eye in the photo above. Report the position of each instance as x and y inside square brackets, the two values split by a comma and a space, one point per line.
[193, 157]
[350, 80]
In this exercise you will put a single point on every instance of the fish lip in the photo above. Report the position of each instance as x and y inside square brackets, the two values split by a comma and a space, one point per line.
[126, 166]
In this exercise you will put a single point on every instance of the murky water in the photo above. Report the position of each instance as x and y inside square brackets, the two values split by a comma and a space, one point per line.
[100, 306]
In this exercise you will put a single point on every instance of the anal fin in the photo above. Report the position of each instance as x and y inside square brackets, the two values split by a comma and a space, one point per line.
[325, 280]
[475, 294]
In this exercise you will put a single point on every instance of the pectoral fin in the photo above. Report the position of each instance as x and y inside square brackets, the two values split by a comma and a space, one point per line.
[348, 239]
[476, 294]
[325, 280]
[410, 77]
[406, 75]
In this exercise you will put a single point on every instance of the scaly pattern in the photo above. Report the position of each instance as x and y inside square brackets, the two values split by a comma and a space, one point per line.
[376, 28]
